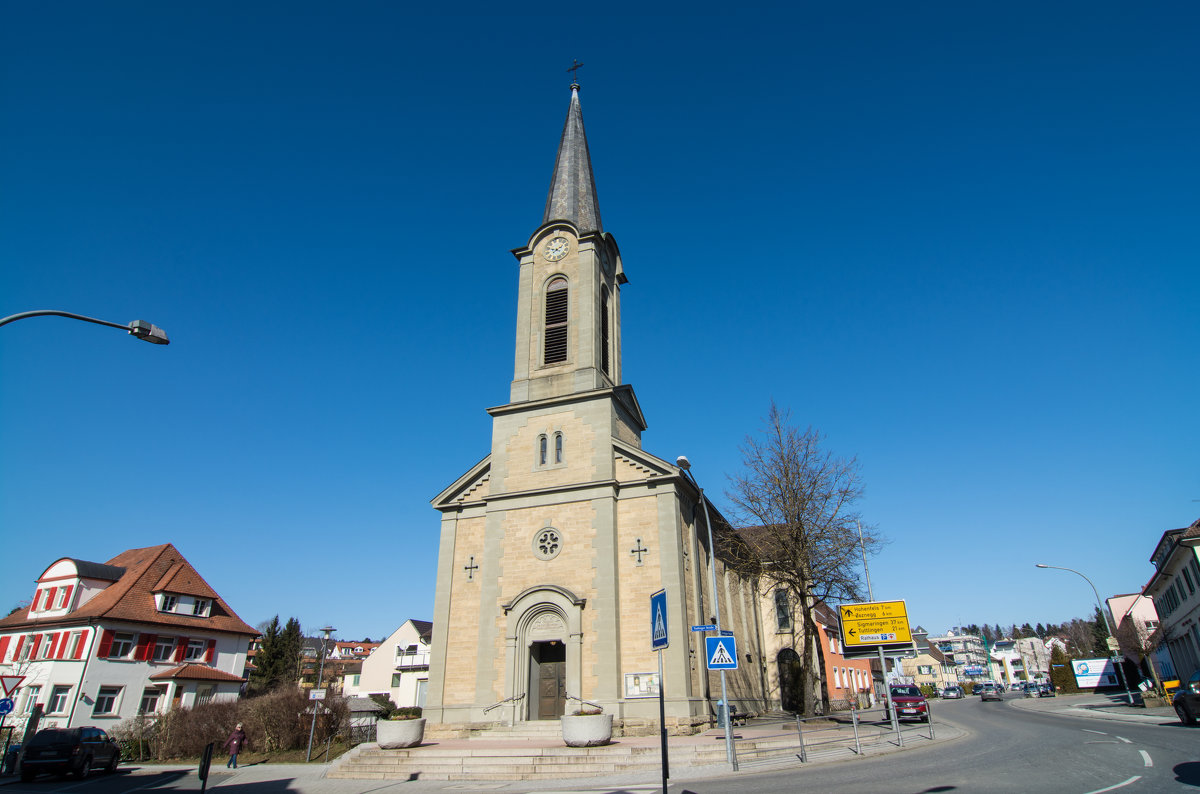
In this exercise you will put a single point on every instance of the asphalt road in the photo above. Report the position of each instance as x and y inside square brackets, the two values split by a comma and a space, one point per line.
[1004, 748]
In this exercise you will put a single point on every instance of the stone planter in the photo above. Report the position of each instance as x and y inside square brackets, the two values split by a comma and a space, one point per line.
[395, 734]
[1153, 701]
[587, 730]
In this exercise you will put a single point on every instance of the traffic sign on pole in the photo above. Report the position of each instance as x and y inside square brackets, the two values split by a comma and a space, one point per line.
[9, 683]
[874, 623]
[658, 621]
[6, 706]
[721, 652]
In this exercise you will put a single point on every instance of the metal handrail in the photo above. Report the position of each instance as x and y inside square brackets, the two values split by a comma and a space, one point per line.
[514, 699]
[582, 701]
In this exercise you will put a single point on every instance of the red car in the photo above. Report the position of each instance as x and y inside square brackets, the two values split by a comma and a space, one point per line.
[910, 703]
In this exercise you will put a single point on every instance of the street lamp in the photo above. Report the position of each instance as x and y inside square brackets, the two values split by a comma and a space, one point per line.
[685, 466]
[320, 679]
[138, 328]
[1112, 642]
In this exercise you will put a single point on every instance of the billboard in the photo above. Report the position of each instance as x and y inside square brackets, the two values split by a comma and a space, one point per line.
[1091, 673]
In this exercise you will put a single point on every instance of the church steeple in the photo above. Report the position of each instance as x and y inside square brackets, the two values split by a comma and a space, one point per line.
[573, 188]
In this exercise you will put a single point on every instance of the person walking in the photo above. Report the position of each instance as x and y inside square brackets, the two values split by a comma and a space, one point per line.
[235, 744]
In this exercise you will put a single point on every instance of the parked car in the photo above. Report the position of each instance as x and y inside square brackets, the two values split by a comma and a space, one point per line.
[1046, 691]
[953, 692]
[910, 703]
[1187, 700]
[989, 691]
[69, 750]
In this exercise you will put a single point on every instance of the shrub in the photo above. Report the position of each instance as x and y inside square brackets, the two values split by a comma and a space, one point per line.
[405, 713]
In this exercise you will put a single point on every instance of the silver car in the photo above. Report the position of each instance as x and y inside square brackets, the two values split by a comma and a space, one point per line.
[989, 692]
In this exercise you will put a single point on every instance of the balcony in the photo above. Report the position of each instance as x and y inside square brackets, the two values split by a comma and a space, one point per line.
[412, 661]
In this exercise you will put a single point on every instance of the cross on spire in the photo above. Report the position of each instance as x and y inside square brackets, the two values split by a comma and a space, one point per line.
[575, 64]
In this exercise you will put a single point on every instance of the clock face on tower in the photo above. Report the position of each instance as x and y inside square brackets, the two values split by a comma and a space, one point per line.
[556, 249]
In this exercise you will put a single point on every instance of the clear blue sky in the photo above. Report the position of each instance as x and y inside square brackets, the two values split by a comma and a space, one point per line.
[959, 239]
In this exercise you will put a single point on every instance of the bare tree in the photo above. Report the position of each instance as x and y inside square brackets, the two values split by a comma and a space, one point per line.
[796, 502]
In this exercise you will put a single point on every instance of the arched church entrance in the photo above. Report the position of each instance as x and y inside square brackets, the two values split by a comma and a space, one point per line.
[790, 694]
[544, 639]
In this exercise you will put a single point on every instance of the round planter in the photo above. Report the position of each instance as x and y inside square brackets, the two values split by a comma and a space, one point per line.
[395, 734]
[587, 730]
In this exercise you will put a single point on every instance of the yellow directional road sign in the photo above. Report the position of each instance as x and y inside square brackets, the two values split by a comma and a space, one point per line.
[874, 623]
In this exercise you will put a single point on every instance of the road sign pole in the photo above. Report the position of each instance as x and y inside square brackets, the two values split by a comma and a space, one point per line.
[662, 724]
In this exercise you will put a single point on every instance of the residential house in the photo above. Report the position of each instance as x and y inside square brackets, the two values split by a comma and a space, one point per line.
[398, 667]
[847, 680]
[1136, 625]
[969, 654]
[139, 634]
[929, 666]
[1019, 660]
[1173, 587]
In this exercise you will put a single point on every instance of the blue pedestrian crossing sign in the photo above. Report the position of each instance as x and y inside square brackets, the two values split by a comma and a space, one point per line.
[658, 621]
[721, 653]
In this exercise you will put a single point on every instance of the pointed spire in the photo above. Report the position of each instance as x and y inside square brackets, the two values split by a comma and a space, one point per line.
[572, 188]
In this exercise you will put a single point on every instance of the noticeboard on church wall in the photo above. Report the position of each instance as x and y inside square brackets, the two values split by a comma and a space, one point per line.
[641, 685]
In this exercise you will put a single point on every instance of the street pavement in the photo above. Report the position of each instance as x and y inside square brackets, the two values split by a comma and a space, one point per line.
[311, 779]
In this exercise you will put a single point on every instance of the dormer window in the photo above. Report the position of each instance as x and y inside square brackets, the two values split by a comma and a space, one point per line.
[200, 608]
[168, 603]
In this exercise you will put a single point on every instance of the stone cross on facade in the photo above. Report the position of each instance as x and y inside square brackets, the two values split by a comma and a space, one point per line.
[639, 550]
[471, 569]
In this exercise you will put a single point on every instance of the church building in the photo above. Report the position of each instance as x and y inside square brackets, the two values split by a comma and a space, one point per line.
[552, 545]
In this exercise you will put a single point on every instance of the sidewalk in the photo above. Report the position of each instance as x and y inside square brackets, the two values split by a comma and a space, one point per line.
[313, 778]
[1104, 707]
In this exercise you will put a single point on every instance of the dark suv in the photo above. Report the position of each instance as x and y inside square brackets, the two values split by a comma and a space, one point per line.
[74, 750]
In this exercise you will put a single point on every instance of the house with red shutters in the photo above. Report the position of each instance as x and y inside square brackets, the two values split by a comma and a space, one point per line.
[140, 634]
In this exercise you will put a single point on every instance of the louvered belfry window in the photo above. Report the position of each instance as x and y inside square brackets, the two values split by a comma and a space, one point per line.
[556, 322]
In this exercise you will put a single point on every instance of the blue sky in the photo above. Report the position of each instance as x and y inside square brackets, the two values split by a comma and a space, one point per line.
[958, 239]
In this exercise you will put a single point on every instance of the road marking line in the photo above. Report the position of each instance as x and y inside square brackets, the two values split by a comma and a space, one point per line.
[1133, 779]
[1146, 758]
[1122, 738]
[1089, 730]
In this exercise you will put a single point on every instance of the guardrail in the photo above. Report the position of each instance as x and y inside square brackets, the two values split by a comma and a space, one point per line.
[853, 729]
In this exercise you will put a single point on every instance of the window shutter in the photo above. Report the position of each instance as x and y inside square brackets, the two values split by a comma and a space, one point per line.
[49, 604]
[106, 639]
[180, 648]
[82, 644]
[52, 645]
[64, 639]
[209, 651]
[3, 648]
[67, 598]
[145, 646]
[33, 647]
[17, 650]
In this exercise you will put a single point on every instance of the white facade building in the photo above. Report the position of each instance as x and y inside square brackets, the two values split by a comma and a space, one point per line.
[102, 642]
[398, 668]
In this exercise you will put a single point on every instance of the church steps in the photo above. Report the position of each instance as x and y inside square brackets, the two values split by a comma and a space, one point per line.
[495, 761]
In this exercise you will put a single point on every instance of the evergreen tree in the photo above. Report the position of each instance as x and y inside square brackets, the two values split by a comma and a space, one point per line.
[1099, 634]
[268, 660]
[292, 641]
[998, 632]
[1060, 671]
[1040, 631]
[1026, 630]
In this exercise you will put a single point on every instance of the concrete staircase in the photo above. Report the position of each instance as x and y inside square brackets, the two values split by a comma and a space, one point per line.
[533, 751]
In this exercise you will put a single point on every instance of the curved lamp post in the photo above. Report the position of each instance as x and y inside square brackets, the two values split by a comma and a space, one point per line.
[1107, 625]
[138, 328]
[326, 630]
[685, 466]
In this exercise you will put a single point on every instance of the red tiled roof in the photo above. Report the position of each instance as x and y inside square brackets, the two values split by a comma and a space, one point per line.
[195, 672]
[131, 598]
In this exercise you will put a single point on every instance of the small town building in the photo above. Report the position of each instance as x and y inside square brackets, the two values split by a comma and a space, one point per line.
[1173, 587]
[142, 633]
[398, 667]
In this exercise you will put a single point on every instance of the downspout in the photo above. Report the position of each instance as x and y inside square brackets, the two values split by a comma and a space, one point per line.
[87, 657]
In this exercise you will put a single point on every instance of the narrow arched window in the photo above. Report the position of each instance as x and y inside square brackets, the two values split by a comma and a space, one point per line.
[604, 343]
[541, 450]
[783, 611]
[556, 322]
[558, 452]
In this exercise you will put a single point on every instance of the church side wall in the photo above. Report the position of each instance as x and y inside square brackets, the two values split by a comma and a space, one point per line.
[464, 609]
